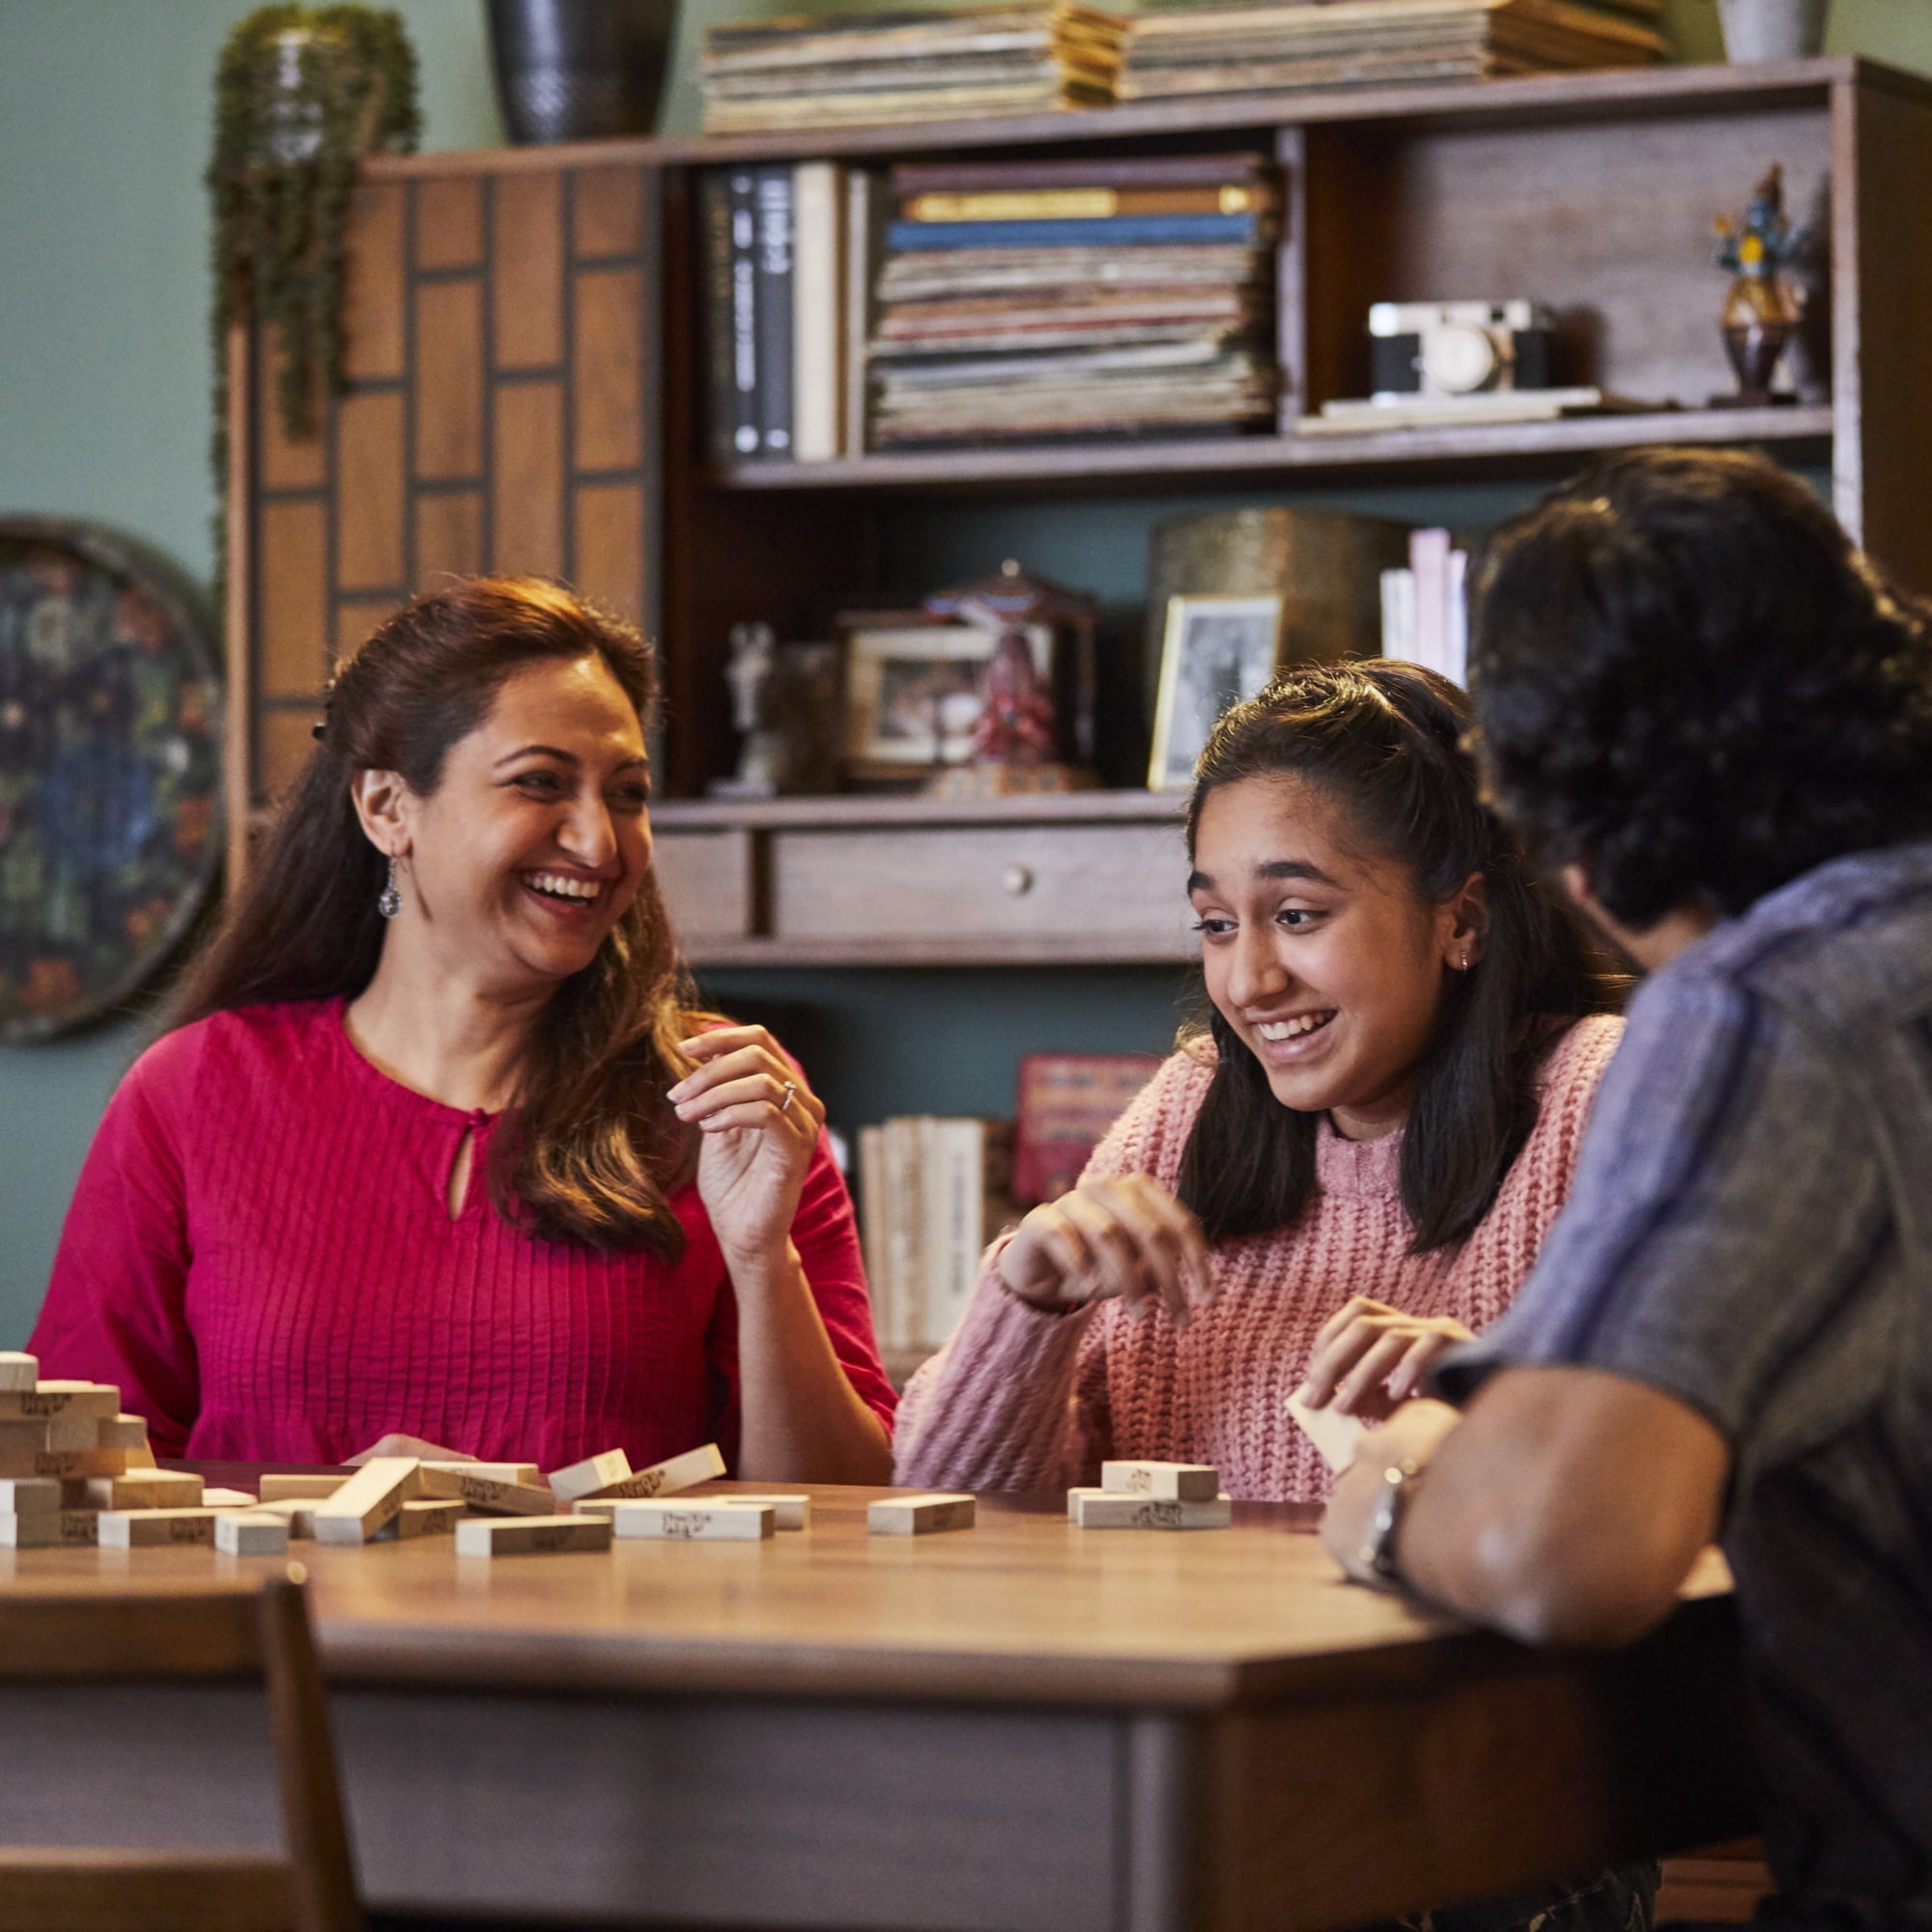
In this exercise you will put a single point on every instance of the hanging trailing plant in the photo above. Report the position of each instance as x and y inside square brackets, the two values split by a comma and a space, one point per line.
[301, 94]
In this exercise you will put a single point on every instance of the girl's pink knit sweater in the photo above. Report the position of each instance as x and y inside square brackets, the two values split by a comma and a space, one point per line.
[1021, 1399]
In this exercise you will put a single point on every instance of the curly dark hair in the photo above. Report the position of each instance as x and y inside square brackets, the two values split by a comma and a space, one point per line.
[1690, 683]
[1385, 743]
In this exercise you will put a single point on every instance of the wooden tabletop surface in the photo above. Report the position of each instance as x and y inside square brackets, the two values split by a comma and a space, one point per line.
[1023, 1609]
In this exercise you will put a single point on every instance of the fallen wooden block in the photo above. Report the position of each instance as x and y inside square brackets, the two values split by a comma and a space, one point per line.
[229, 1500]
[143, 1490]
[1111, 1509]
[138, 1529]
[46, 1400]
[310, 1489]
[1173, 1482]
[80, 1526]
[141, 1456]
[251, 1533]
[428, 1517]
[525, 1475]
[371, 1499]
[666, 1478]
[30, 1496]
[455, 1480]
[787, 1512]
[71, 1463]
[123, 1432]
[33, 1531]
[17, 1371]
[297, 1512]
[919, 1516]
[1337, 1436]
[530, 1535]
[591, 1477]
[698, 1520]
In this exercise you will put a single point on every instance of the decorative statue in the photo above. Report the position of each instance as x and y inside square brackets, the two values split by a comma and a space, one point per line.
[784, 699]
[1015, 744]
[1763, 306]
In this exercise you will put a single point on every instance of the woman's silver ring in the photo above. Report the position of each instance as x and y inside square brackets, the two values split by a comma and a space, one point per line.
[792, 1094]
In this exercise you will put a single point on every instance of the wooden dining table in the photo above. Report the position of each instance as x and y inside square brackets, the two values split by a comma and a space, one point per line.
[1017, 1727]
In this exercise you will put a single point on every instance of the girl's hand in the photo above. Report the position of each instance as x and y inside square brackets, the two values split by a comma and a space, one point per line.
[1127, 1237]
[1368, 1357]
[760, 1124]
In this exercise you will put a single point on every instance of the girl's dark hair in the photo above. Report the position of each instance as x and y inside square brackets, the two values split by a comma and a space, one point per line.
[1384, 742]
[1690, 683]
[590, 1148]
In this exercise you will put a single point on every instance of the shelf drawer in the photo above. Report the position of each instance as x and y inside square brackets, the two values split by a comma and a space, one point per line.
[706, 878]
[1094, 890]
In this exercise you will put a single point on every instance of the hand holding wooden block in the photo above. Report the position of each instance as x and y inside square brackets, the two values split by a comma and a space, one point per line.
[1172, 1482]
[369, 1500]
[1337, 1436]
[919, 1516]
[703, 1521]
[530, 1535]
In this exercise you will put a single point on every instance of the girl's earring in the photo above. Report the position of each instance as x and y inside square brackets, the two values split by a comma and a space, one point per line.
[389, 901]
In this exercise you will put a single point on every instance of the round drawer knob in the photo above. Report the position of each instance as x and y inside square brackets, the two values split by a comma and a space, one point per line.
[1017, 880]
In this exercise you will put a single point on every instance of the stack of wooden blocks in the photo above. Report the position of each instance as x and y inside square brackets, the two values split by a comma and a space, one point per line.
[1152, 1495]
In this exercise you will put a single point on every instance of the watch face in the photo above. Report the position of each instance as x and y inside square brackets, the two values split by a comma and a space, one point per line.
[110, 777]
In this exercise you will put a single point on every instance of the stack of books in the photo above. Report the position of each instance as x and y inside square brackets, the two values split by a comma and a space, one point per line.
[933, 1192]
[885, 69]
[1425, 608]
[1035, 299]
[1188, 49]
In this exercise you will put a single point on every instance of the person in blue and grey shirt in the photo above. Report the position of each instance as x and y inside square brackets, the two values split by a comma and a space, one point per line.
[1710, 718]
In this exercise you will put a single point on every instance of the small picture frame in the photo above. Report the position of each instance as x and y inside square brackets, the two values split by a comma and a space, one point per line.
[912, 691]
[1216, 652]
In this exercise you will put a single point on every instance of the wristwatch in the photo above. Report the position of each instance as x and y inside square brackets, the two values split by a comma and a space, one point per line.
[1378, 1554]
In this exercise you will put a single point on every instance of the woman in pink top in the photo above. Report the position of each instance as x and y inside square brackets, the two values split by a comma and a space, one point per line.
[438, 1151]
[1351, 1169]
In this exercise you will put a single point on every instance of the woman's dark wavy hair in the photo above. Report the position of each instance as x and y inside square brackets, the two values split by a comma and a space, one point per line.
[590, 1148]
[1690, 684]
[1384, 742]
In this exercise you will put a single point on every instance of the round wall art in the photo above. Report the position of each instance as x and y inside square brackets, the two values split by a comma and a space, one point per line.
[110, 771]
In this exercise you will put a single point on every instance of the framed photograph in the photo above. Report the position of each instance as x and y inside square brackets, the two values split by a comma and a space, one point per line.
[912, 691]
[1216, 652]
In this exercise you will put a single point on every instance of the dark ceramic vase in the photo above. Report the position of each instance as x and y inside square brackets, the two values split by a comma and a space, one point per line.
[579, 69]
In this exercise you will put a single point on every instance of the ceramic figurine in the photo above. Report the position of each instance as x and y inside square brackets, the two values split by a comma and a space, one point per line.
[785, 701]
[1763, 305]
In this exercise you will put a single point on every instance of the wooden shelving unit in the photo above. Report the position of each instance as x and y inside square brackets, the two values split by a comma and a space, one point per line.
[527, 368]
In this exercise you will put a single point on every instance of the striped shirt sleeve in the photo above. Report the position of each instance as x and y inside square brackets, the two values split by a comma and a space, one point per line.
[1727, 1218]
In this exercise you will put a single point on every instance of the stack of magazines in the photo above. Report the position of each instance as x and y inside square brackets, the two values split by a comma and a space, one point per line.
[1188, 49]
[883, 70]
[1035, 299]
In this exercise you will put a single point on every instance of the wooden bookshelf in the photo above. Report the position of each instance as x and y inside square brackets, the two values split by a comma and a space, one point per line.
[527, 366]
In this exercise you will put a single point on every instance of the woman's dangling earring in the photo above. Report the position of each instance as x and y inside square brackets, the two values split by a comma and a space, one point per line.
[389, 901]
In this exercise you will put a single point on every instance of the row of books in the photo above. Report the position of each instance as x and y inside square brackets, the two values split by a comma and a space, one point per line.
[1425, 608]
[946, 303]
[896, 68]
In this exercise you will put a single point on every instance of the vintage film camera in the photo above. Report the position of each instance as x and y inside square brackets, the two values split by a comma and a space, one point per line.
[1457, 348]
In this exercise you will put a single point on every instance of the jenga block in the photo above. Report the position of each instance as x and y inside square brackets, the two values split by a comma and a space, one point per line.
[29, 1532]
[371, 1498]
[52, 1398]
[1112, 1509]
[281, 1489]
[66, 1462]
[591, 1477]
[297, 1512]
[700, 1520]
[229, 1500]
[124, 1431]
[1337, 1436]
[428, 1517]
[30, 1496]
[1172, 1482]
[251, 1533]
[457, 1481]
[80, 1526]
[919, 1516]
[530, 1535]
[17, 1371]
[145, 1489]
[666, 1478]
[21, 1438]
[787, 1512]
[137, 1529]
[75, 1432]
[141, 1458]
[525, 1475]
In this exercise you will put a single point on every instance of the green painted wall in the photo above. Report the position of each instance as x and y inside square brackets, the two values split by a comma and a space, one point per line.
[104, 414]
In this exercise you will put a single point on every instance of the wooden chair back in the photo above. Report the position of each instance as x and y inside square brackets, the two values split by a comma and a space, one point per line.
[208, 1635]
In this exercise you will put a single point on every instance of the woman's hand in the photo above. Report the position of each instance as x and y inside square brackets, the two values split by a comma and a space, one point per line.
[1368, 1357]
[760, 1124]
[409, 1445]
[1126, 1237]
